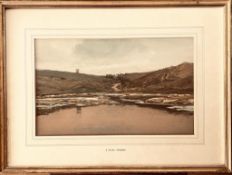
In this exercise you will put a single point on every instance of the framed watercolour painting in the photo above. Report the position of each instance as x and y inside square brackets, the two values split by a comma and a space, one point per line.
[90, 86]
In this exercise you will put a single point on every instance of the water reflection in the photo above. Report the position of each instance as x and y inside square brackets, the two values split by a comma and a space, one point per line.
[114, 119]
[78, 110]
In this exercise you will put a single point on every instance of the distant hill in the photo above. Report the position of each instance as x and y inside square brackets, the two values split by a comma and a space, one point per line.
[174, 79]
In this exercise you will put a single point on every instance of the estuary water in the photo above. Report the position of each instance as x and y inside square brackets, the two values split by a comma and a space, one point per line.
[114, 120]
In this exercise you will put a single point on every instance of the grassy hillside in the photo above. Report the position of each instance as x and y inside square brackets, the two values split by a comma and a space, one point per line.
[55, 82]
[175, 79]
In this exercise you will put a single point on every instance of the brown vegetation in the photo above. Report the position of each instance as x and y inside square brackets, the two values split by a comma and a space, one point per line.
[175, 79]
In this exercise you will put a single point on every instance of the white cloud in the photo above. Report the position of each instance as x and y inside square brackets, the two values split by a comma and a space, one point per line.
[103, 56]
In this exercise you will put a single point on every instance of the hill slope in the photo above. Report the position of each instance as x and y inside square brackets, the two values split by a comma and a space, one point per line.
[175, 79]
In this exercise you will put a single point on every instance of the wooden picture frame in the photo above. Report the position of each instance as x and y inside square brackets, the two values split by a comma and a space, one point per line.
[40, 4]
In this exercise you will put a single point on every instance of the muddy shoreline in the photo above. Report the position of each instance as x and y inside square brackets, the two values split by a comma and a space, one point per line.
[179, 103]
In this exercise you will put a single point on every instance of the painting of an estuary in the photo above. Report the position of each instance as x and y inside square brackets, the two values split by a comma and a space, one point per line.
[114, 86]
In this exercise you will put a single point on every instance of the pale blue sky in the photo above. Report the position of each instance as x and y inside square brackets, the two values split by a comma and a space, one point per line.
[112, 56]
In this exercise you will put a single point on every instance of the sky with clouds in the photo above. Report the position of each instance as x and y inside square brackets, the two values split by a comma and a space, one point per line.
[112, 56]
